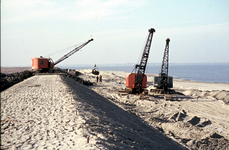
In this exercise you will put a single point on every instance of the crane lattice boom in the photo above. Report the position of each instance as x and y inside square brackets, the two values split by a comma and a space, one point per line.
[142, 65]
[165, 64]
[72, 52]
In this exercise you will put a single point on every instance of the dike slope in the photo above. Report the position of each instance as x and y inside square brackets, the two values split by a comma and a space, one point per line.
[53, 111]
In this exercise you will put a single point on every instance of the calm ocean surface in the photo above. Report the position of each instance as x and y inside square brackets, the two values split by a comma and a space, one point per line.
[218, 72]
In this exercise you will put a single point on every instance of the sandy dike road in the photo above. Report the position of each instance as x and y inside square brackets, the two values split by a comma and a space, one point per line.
[40, 113]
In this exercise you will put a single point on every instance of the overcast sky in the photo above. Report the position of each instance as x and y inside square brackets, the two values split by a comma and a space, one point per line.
[198, 30]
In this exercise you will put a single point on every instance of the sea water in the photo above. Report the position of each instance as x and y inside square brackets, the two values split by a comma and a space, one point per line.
[215, 72]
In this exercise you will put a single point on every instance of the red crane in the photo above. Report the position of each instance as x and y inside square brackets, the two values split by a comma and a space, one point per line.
[136, 82]
[46, 64]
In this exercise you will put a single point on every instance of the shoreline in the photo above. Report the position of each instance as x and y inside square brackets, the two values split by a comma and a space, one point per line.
[176, 81]
[9, 70]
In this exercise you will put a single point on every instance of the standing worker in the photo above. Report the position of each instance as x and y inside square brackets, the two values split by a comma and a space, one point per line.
[97, 78]
[100, 78]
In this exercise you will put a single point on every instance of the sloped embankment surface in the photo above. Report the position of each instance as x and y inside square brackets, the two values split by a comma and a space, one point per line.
[197, 119]
[39, 113]
[213, 95]
[8, 80]
[50, 111]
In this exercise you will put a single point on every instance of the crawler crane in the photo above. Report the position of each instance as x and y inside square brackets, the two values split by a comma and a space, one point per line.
[163, 82]
[136, 82]
[46, 64]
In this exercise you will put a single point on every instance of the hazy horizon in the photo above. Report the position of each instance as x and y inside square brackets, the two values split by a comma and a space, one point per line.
[127, 64]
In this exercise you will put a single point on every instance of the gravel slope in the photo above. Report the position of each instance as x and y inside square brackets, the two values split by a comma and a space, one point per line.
[40, 113]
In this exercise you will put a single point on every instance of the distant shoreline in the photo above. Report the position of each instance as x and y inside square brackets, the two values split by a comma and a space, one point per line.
[124, 64]
[201, 72]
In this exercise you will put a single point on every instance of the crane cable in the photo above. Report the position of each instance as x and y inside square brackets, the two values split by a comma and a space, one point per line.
[140, 54]
[143, 48]
[63, 50]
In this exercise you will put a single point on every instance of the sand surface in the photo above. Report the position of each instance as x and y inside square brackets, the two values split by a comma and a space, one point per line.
[40, 113]
[193, 118]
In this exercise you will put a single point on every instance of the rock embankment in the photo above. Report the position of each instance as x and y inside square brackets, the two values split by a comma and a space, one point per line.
[8, 80]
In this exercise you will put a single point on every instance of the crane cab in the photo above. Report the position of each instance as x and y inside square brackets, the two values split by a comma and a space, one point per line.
[131, 80]
[158, 82]
[42, 64]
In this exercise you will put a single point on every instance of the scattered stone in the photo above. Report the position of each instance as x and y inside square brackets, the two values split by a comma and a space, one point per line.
[215, 141]
[185, 140]
[179, 116]
[215, 135]
[195, 120]
[205, 123]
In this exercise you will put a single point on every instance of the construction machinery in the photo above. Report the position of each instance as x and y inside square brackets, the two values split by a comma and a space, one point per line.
[137, 80]
[46, 64]
[95, 70]
[163, 82]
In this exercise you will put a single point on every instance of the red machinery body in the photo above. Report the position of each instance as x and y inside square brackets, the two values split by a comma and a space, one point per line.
[130, 81]
[42, 63]
[46, 64]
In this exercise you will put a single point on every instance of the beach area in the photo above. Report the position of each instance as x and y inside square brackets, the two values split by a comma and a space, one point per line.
[56, 112]
[114, 75]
